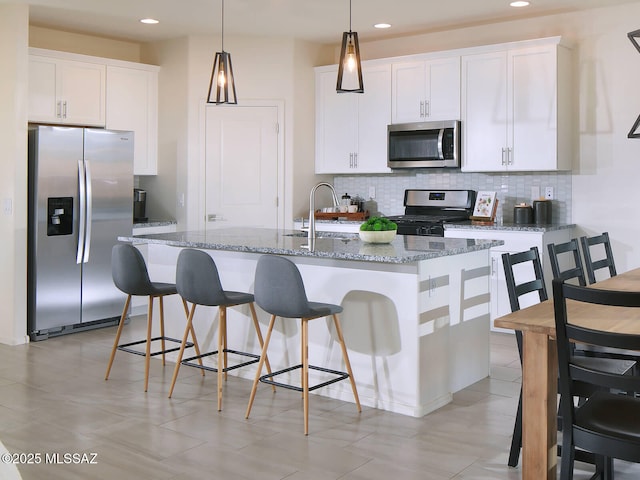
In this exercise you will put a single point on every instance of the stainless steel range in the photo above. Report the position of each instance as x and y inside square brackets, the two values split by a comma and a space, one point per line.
[426, 211]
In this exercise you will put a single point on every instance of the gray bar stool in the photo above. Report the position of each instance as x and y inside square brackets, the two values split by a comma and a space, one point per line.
[279, 290]
[198, 282]
[130, 275]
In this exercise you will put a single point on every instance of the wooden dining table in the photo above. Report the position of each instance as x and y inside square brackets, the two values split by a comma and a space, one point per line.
[540, 366]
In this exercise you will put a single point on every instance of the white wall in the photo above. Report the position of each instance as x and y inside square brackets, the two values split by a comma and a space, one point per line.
[172, 128]
[14, 30]
[42, 37]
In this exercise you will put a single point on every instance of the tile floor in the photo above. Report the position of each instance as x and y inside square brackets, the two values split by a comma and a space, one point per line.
[53, 399]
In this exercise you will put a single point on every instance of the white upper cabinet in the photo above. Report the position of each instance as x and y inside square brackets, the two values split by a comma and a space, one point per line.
[71, 89]
[351, 128]
[66, 91]
[132, 104]
[426, 89]
[516, 108]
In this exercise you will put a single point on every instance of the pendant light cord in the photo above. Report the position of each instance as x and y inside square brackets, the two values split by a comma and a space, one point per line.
[222, 28]
[349, 15]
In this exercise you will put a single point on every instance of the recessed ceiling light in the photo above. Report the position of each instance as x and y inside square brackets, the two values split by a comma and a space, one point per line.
[520, 3]
[382, 25]
[149, 21]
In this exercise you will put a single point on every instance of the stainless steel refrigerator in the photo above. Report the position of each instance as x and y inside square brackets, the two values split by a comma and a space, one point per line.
[80, 201]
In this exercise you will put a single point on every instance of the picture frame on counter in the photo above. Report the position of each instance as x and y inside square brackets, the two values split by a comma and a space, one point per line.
[485, 207]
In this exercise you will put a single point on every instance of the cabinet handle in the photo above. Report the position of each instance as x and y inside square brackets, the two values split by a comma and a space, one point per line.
[351, 160]
[504, 150]
[355, 160]
[427, 109]
[494, 260]
[509, 156]
[64, 109]
[421, 109]
[59, 109]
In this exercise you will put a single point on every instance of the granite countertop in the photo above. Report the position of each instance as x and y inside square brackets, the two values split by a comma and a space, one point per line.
[154, 223]
[513, 227]
[341, 246]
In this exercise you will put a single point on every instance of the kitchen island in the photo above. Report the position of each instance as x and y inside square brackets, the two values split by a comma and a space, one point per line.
[416, 311]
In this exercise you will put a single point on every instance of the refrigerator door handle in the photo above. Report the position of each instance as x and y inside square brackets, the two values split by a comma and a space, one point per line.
[82, 207]
[88, 212]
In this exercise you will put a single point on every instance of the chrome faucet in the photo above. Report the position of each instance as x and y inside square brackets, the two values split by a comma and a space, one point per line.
[312, 208]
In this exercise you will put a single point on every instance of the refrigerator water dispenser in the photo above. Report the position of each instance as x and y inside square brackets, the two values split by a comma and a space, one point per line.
[59, 216]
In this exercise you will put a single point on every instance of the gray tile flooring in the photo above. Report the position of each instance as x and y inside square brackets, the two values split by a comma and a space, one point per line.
[54, 399]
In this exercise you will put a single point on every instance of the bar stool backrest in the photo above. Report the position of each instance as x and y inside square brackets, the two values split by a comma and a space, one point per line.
[129, 270]
[198, 280]
[279, 289]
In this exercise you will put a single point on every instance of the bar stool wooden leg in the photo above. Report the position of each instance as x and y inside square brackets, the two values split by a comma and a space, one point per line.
[185, 337]
[256, 325]
[224, 341]
[347, 363]
[221, 322]
[160, 298]
[147, 355]
[302, 357]
[117, 339]
[196, 347]
[263, 356]
[305, 373]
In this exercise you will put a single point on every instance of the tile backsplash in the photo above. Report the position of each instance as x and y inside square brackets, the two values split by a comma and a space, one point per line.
[512, 188]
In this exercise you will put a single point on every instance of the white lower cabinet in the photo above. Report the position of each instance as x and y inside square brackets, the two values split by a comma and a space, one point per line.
[514, 242]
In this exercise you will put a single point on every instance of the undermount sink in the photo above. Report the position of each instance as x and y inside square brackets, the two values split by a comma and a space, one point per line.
[334, 235]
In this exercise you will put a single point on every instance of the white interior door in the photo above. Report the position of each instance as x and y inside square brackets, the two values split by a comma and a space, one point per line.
[241, 166]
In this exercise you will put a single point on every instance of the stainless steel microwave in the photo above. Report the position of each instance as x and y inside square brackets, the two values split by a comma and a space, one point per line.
[424, 145]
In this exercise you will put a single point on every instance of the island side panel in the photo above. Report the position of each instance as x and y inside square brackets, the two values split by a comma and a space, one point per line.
[467, 278]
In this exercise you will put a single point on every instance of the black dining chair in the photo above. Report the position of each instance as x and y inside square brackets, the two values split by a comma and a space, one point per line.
[559, 253]
[591, 265]
[534, 283]
[606, 424]
[530, 281]
[570, 250]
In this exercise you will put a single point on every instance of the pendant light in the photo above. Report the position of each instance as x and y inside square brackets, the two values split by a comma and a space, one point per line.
[350, 69]
[224, 90]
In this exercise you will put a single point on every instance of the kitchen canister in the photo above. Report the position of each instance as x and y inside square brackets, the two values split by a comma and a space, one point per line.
[542, 212]
[522, 214]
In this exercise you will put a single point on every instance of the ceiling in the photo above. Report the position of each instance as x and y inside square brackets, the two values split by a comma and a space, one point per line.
[313, 20]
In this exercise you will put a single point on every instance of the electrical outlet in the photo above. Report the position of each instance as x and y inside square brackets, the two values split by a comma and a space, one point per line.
[372, 192]
[7, 206]
[548, 193]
